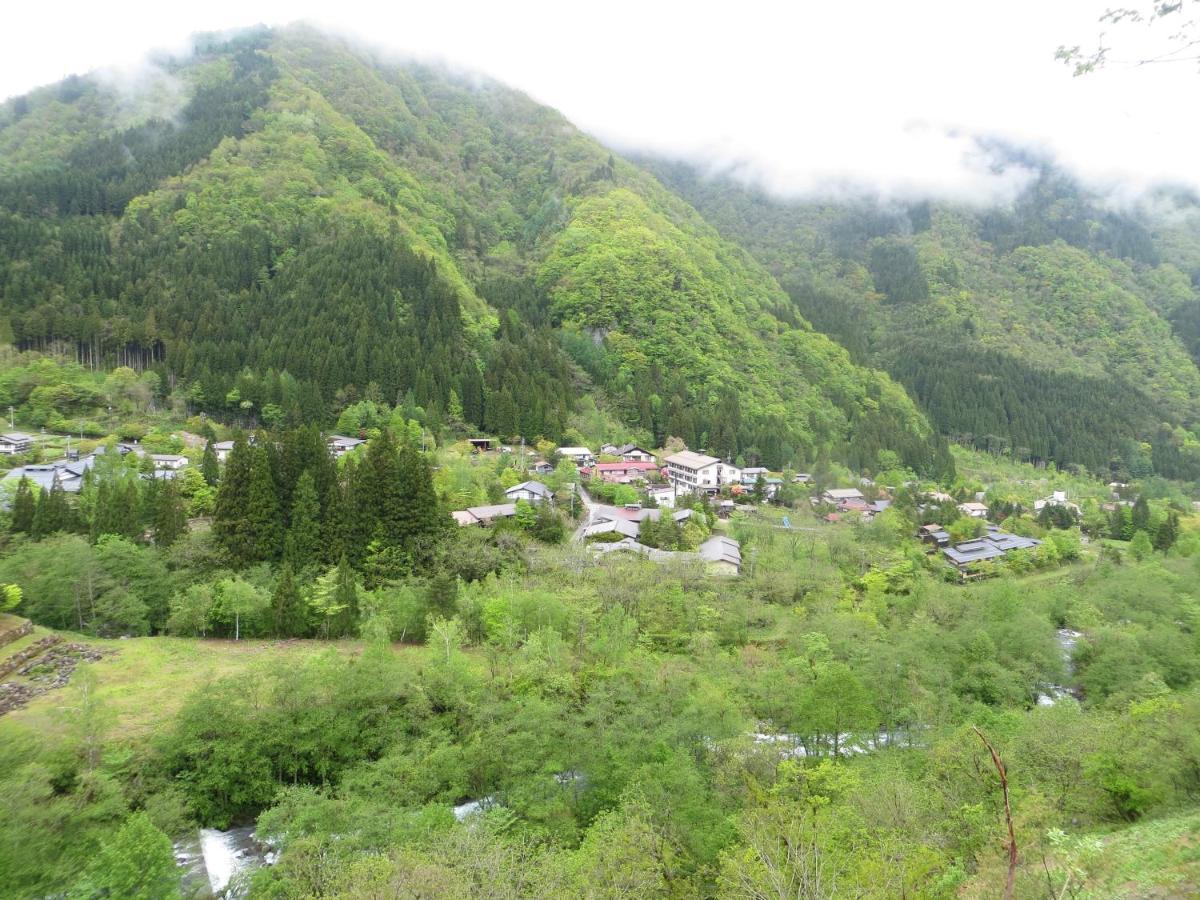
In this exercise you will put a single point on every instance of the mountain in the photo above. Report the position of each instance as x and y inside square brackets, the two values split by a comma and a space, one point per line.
[1059, 328]
[283, 223]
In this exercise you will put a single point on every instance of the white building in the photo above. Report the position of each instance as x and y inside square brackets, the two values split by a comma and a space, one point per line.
[581, 456]
[533, 491]
[15, 442]
[974, 510]
[662, 494]
[690, 471]
[1058, 498]
[223, 449]
[168, 461]
[339, 445]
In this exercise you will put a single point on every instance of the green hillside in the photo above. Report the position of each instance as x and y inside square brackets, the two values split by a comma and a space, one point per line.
[1056, 328]
[314, 226]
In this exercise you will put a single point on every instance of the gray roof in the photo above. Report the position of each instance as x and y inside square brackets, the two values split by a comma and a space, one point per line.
[992, 545]
[626, 527]
[690, 460]
[844, 493]
[495, 511]
[629, 448]
[43, 476]
[719, 548]
[15, 437]
[533, 487]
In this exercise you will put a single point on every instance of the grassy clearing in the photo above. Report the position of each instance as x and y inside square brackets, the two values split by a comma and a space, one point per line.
[144, 681]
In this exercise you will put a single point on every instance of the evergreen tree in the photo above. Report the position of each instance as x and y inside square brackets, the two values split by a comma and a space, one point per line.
[303, 542]
[53, 513]
[420, 522]
[1167, 533]
[289, 615]
[170, 514]
[229, 517]
[263, 523]
[24, 508]
[1140, 516]
[380, 473]
[441, 596]
[210, 468]
[345, 597]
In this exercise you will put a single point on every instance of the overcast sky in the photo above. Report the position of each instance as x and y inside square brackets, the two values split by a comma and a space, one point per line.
[802, 97]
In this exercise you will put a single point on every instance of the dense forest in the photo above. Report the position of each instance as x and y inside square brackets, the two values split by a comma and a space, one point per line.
[1061, 327]
[495, 265]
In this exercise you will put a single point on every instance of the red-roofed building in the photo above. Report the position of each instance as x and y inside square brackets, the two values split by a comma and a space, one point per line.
[623, 472]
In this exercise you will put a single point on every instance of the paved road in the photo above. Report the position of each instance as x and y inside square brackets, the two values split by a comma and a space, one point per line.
[588, 505]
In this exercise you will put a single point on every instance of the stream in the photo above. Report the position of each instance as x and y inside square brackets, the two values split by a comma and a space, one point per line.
[218, 863]
[1052, 693]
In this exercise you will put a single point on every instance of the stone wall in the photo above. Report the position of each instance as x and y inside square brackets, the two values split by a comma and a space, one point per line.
[36, 649]
[16, 632]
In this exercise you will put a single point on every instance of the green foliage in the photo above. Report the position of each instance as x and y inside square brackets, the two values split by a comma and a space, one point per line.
[137, 862]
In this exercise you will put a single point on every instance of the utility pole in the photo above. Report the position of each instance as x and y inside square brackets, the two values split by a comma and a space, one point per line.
[11, 423]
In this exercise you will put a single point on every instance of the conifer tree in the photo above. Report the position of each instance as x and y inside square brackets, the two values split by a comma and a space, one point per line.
[53, 512]
[1167, 533]
[264, 527]
[210, 468]
[303, 542]
[229, 519]
[24, 508]
[170, 516]
[385, 490]
[421, 523]
[287, 611]
[1141, 514]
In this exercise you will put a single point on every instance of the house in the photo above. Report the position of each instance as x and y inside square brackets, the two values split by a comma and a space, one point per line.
[634, 453]
[624, 472]
[722, 555]
[484, 515]
[725, 509]
[772, 487]
[1057, 498]
[690, 471]
[730, 474]
[802, 478]
[15, 442]
[481, 445]
[65, 473]
[168, 461]
[662, 494]
[541, 467]
[934, 535]
[974, 510]
[533, 491]
[223, 449]
[993, 545]
[610, 450]
[581, 456]
[839, 496]
[750, 475]
[339, 445]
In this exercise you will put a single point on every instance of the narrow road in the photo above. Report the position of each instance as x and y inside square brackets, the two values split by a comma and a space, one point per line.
[590, 508]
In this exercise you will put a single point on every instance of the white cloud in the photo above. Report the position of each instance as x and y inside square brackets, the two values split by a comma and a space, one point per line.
[800, 97]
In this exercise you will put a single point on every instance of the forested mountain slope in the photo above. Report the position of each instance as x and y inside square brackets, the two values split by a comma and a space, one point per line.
[312, 224]
[1056, 327]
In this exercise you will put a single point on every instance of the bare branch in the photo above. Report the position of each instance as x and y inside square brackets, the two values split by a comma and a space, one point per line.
[1012, 837]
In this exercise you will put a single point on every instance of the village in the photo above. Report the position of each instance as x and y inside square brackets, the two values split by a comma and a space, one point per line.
[625, 498]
